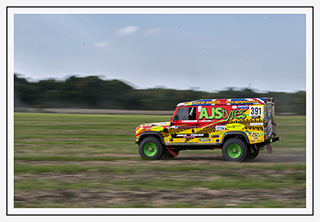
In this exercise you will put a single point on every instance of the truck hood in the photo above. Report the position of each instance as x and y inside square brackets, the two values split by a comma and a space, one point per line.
[152, 127]
[156, 124]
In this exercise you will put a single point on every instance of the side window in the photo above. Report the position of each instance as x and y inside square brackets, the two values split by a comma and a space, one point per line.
[187, 113]
[192, 113]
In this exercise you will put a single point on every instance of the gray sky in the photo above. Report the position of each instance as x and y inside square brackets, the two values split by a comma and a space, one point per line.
[208, 52]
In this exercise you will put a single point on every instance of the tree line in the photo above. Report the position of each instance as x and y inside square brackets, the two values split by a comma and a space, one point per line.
[95, 93]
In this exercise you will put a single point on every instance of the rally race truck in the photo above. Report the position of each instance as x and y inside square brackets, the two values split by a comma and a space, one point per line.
[241, 128]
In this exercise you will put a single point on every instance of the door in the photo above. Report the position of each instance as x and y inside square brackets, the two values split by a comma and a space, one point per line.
[185, 121]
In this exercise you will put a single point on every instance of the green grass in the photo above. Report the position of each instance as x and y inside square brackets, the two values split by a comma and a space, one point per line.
[66, 132]
[68, 168]
[97, 154]
[292, 130]
[128, 177]
[61, 134]
[70, 158]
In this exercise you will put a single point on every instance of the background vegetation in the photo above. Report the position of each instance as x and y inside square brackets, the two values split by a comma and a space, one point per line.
[93, 92]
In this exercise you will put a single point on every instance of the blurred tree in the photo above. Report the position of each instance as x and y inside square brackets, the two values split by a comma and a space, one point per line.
[300, 103]
[24, 92]
[93, 92]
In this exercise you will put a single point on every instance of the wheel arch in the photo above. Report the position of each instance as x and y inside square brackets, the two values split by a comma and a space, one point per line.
[235, 134]
[150, 133]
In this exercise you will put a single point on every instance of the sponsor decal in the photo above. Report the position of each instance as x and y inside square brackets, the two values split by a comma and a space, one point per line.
[212, 102]
[205, 140]
[181, 135]
[243, 101]
[156, 124]
[256, 124]
[206, 102]
[256, 110]
[220, 128]
[234, 126]
[220, 113]
[255, 136]
[189, 121]
[243, 107]
[189, 135]
[157, 128]
[164, 124]
[197, 135]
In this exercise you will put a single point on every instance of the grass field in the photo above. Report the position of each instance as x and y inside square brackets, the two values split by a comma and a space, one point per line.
[75, 161]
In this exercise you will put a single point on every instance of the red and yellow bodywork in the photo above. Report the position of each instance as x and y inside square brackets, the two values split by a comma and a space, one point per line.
[209, 122]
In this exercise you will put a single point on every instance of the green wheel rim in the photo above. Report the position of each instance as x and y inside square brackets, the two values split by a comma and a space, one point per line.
[150, 149]
[234, 150]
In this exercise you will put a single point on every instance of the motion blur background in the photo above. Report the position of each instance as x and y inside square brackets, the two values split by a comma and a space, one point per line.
[94, 93]
[154, 61]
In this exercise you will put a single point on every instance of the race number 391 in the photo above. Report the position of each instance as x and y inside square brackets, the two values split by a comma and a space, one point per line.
[255, 110]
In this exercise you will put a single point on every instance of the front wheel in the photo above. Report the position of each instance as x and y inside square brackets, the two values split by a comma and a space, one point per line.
[150, 148]
[235, 149]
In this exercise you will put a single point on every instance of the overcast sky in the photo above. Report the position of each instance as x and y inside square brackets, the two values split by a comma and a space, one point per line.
[208, 52]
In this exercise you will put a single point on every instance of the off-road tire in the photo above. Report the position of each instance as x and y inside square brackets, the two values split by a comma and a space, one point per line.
[151, 148]
[235, 150]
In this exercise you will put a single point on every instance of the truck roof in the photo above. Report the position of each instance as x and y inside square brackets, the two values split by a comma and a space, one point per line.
[238, 101]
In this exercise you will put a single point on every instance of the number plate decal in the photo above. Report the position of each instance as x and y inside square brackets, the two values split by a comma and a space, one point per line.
[256, 110]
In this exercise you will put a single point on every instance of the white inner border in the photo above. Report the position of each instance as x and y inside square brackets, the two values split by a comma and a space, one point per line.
[10, 57]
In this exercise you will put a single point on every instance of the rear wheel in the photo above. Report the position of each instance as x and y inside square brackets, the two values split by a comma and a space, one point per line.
[235, 150]
[150, 148]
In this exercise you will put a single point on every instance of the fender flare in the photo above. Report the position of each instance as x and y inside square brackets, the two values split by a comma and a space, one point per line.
[235, 133]
[151, 133]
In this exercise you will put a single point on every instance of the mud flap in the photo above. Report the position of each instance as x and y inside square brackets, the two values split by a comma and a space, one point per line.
[269, 149]
[256, 148]
[173, 153]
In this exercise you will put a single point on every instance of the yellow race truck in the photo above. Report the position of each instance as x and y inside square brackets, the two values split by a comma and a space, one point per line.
[240, 127]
